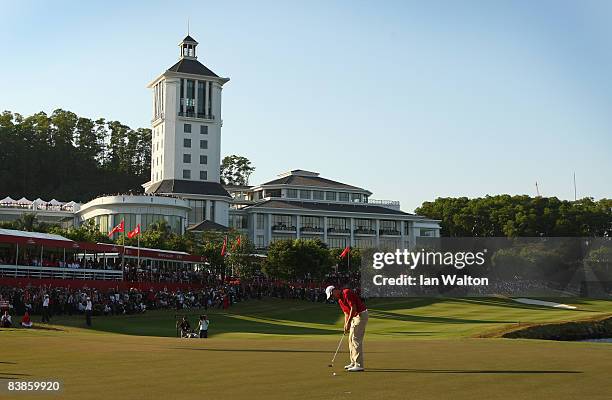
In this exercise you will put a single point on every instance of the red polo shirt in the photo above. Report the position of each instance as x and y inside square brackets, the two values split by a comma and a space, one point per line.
[348, 299]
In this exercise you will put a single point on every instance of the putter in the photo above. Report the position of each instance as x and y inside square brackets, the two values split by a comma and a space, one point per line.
[336, 353]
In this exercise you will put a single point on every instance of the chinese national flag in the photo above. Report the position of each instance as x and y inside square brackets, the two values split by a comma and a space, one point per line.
[345, 252]
[224, 248]
[135, 232]
[118, 228]
[236, 243]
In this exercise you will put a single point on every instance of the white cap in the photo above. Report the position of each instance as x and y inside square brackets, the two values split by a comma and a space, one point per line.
[328, 291]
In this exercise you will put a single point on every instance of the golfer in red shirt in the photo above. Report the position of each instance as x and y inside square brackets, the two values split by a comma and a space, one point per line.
[355, 321]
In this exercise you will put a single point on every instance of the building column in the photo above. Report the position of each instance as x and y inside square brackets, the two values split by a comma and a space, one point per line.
[352, 239]
[268, 227]
[252, 224]
[402, 234]
[207, 210]
[325, 230]
[377, 233]
[195, 100]
[298, 225]
[412, 234]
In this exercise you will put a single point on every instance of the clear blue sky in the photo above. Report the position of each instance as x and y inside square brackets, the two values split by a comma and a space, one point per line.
[412, 100]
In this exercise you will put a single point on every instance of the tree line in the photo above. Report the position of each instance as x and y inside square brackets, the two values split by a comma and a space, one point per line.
[515, 216]
[68, 157]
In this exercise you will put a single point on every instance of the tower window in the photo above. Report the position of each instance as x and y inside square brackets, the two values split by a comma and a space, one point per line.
[203, 175]
[201, 100]
[186, 174]
[209, 111]
[203, 159]
[203, 144]
[204, 129]
[187, 143]
[187, 158]
[187, 128]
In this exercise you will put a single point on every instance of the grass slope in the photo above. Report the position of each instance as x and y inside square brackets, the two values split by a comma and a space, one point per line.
[390, 318]
[283, 347]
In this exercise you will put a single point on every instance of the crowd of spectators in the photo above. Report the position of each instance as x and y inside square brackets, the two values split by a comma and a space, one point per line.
[52, 301]
[146, 271]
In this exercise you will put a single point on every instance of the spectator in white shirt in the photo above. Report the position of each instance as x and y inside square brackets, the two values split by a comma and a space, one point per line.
[45, 313]
[6, 321]
[203, 324]
[88, 311]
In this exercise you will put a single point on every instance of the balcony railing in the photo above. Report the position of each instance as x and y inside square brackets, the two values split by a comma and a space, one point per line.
[389, 232]
[311, 229]
[22, 271]
[391, 204]
[284, 228]
[191, 114]
[365, 231]
[338, 231]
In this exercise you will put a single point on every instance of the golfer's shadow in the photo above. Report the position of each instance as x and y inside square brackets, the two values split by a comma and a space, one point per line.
[469, 371]
[261, 350]
[12, 376]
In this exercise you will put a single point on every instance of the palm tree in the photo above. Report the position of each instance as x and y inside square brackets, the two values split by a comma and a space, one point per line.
[161, 226]
[27, 222]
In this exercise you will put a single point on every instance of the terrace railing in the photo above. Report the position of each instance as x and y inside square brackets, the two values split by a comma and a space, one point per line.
[21, 271]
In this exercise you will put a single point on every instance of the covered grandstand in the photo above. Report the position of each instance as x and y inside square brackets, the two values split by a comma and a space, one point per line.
[35, 258]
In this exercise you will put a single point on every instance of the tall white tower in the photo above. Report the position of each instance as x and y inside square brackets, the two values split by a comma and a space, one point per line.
[186, 136]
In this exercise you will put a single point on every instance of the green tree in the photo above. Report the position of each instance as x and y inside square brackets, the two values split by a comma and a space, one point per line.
[87, 232]
[236, 170]
[68, 157]
[27, 222]
[515, 216]
[298, 259]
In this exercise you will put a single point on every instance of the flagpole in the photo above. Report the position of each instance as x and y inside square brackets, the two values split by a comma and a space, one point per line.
[123, 258]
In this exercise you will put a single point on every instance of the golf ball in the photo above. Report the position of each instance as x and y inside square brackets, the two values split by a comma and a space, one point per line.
[334, 374]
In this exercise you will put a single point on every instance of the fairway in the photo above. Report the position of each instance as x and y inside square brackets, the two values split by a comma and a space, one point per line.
[279, 349]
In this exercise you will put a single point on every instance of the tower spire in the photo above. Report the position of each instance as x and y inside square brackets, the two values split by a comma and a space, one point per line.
[188, 46]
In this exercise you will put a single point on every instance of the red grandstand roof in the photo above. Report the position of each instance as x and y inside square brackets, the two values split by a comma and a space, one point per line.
[57, 241]
[35, 238]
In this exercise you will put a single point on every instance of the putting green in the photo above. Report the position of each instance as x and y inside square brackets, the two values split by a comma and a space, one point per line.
[279, 349]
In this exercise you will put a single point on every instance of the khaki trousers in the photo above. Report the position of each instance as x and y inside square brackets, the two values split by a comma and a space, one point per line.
[356, 335]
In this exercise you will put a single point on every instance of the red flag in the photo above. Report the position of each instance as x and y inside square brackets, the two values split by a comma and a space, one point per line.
[224, 246]
[135, 232]
[236, 243]
[118, 228]
[345, 252]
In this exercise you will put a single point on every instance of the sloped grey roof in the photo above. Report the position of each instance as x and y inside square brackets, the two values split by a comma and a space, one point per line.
[189, 39]
[299, 180]
[314, 206]
[188, 187]
[194, 67]
[207, 225]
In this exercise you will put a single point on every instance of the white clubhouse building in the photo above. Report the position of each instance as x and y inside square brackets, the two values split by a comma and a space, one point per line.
[185, 187]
